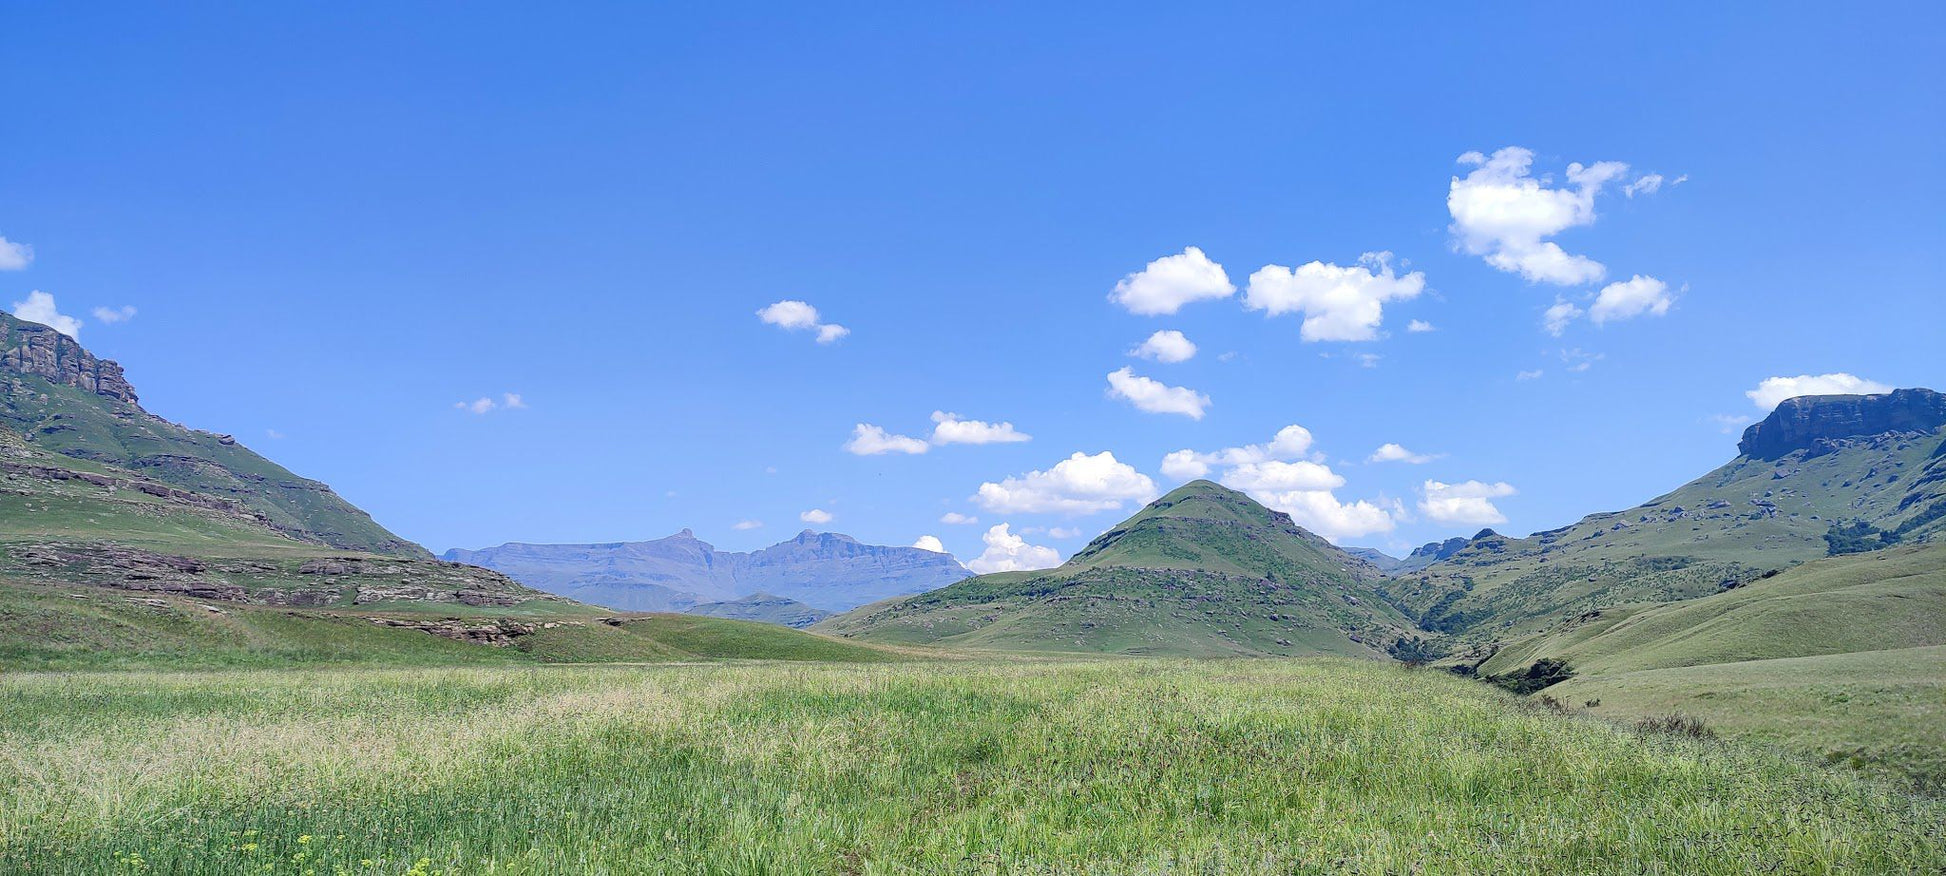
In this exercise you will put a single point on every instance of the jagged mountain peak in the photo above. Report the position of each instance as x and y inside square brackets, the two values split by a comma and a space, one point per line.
[42, 351]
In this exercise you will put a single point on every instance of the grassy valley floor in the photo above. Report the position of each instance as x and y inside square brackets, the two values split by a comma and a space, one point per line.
[1230, 766]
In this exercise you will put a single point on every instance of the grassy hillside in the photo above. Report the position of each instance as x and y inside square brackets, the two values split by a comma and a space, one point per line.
[1842, 659]
[1203, 571]
[1117, 767]
[763, 607]
[73, 422]
[1726, 528]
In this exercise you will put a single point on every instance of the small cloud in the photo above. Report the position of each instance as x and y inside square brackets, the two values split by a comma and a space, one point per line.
[801, 316]
[1504, 214]
[1578, 360]
[486, 404]
[1168, 346]
[1155, 397]
[1170, 282]
[39, 307]
[954, 518]
[870, 440]
[949, 428]
[1650, 183]
[815, 515]
[1529, 375]
[1063, 532]
[1631, 298]
[1007, 552]
[1774, 390]
[1731, 424]
[14, 256]
[1338, 303]
[1419, 325]
[1366, 360]
[1469, 502]
[112, 315]
[744, 525]
[1556, 319]
[930, 543]
[1080, 484]
[1396, 453]
[273, 434]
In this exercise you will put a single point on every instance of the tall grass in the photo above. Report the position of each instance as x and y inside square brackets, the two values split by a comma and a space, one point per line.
[1125, 767]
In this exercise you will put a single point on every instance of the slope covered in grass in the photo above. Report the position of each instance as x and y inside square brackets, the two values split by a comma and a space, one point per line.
[1202, 571]
[1105, 767]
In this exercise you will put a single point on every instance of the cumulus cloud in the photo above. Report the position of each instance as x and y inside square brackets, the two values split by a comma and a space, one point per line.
[1080, 484]
[39, 307]
[1154, 396]
[1006, 552]
[949, 428]
[1396, 453]
[1170, 282]
[870, 440]
[745, 525]
[112, 315]
[1419, 325]
[1168, 346]
[930, 543]
[800, 316]
[487, 404]
[1556, 319]
[954, 518]
[815, 515]
[1774, 390]
[1505, 215]
[1338, 303]
[14, 256]
[1277, 474]
[1631, 298]
[1470, 502]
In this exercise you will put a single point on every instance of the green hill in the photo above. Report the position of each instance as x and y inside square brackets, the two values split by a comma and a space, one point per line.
[763, 607]
[66, 401]
[1203, 571]
[1814, 467]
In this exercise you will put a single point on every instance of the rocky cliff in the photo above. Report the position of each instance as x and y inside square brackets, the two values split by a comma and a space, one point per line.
[32, 348]
[1800, 423]
[826, 570]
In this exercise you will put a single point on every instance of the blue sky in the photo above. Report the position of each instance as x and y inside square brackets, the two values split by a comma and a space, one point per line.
[337, 224]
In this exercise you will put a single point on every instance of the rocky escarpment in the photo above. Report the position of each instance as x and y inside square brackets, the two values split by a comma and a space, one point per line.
[1800, 423]
[32, 348]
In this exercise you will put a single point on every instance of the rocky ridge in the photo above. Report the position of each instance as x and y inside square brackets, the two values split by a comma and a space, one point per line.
[1800, 423]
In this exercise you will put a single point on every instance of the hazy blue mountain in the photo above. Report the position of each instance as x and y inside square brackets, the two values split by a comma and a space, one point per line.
[825, 570]
[1384, 561]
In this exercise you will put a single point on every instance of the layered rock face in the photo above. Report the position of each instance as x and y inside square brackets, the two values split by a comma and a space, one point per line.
[32, 348]
[1801, 422]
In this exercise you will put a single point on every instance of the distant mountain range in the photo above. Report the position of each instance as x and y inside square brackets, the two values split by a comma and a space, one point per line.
[1202, 571]
[823, 570]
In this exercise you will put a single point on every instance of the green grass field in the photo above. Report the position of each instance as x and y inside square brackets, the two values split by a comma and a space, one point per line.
[1253, 766]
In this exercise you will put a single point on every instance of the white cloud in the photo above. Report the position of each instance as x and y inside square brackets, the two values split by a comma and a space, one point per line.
[870, 440]
[273, 434]
[1631, 298]
[14, 256]
[1166, 346]
[1063, 532]
[1154, 396]
[1080, 484]
[1276, 474]
[1290, 442]
[1006, 552]
[1556, 319]
[1503, 214]
[1338, 303]
[1419, 325]
[950, 429]
[1469, 502]
[112, 315]
[1170, 282]
[800, 316]
[39, 307]
[1529, 375]
[1396, 453]
[1774, 390]
[486, 404]
[930, 543]
[746, 525]
[954, 518]
[1730, 424]
[1646, 184]
[815, 515]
